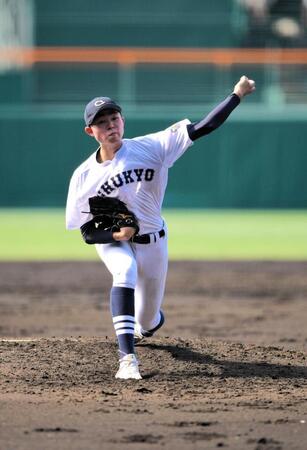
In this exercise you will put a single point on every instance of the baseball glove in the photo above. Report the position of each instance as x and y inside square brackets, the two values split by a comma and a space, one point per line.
[111, 214]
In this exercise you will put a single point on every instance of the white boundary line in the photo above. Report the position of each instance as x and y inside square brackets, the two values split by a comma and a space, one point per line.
[38, 339]
[19, 340]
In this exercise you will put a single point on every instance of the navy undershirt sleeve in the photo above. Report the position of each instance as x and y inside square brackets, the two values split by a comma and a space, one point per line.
[93, 235]
[214, 119]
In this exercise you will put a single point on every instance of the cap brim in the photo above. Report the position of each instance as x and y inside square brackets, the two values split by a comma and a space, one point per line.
[106, 107]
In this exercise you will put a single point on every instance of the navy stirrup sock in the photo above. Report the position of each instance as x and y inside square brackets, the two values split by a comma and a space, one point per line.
[122, 310]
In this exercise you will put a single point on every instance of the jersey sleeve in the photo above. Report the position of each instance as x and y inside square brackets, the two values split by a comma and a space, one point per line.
[174, 142]
[76, 214]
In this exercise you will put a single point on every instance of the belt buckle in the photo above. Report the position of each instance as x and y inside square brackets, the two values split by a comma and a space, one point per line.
[156, 236]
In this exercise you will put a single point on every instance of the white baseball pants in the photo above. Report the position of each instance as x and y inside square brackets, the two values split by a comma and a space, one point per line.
[142, 267]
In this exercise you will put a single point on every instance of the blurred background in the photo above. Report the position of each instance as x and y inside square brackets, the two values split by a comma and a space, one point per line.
[163, 61]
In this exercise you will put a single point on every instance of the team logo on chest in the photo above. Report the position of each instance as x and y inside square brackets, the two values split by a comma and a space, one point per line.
[125, 177]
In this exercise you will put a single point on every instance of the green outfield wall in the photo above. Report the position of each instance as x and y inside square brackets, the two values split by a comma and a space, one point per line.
[247, 163]
[257, 159]
[138, 23]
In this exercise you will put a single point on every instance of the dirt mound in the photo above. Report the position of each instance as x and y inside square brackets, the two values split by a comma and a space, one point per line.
[167, 365]
[235, 378]
[193, 391]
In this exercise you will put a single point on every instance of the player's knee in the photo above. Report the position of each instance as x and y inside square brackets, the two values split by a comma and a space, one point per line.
[126, 276]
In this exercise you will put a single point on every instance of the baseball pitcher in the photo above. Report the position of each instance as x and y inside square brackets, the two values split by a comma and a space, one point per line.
[115, 198]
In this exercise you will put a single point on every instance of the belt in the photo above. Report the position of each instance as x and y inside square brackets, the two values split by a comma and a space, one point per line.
[148, 238]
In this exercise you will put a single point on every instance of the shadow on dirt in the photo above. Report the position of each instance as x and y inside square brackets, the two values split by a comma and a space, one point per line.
[231, 369]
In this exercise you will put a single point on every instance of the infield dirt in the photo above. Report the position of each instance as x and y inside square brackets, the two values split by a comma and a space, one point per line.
[227, 370]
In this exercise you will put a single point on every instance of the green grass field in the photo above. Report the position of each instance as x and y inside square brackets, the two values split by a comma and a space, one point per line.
[193, 234]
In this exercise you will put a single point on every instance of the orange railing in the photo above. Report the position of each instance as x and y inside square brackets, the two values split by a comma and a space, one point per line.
[128, 55]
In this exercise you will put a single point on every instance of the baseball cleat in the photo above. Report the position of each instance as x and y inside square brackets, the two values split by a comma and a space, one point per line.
[128, 368]
[140, 334]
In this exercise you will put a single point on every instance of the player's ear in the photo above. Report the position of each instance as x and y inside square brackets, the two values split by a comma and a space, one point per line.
[89, 131]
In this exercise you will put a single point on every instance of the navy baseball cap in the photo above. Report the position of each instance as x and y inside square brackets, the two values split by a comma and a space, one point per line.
[97, 105]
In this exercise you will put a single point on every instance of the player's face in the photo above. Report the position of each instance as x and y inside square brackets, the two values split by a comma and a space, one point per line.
[108, 128]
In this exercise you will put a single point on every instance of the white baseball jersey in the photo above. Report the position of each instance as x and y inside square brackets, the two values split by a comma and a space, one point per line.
[137, 175]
